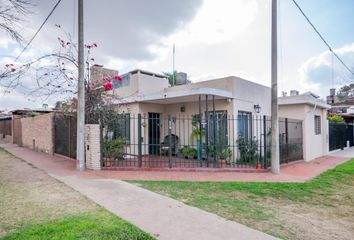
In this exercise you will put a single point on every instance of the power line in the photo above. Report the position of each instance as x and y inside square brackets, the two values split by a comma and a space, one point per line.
[322, 38]
[39, 29]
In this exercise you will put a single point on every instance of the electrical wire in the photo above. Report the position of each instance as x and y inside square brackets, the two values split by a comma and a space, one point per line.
[322, 38]
[39, 29]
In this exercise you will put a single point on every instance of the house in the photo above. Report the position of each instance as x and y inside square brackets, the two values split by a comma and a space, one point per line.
[344, 108]
[216, 123]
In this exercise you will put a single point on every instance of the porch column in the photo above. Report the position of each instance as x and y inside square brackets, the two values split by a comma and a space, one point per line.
[207, 129]
[199, 141]
[214, 130]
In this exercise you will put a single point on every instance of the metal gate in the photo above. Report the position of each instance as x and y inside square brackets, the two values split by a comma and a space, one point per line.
[339, 134]
[290, 140]
[65, 135]
[17, 131]
[5, 126]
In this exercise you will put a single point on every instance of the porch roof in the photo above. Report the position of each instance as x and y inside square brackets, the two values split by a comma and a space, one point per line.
[178, 96]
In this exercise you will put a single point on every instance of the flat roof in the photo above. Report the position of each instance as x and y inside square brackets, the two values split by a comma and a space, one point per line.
[178, 96]
[306, 98]
[146, 73]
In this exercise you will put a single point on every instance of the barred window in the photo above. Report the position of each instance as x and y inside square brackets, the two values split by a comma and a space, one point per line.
[317, 125]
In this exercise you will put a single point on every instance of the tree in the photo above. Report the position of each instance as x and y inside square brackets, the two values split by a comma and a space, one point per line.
[345, 92]
[335, 118]
[171, 76]
[55, 74]
[11, 16]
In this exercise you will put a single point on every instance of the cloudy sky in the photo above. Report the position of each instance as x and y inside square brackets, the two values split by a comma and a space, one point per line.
[212, 39]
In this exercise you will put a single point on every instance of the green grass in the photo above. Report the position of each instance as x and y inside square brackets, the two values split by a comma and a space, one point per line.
[33, 205]
[96, 225]
[260, 204]
[322, 184]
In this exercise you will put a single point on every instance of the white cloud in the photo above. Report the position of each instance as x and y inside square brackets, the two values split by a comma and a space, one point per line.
[324, 71]
[217, 21]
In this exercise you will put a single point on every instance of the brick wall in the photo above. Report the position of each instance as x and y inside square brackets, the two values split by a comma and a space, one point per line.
[37, 133]
[92, 146]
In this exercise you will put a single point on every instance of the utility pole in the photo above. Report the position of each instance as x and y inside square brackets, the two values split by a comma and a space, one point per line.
[80, 138]
[274, 109]
[173, 65]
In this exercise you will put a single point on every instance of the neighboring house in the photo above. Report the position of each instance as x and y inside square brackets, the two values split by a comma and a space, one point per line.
[233, 110]
[312, 111]
[344, 108]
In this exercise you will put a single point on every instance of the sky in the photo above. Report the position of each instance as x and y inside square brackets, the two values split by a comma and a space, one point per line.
[212, 39]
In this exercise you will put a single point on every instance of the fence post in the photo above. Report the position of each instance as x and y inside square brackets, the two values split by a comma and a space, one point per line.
[265, 142]
[169, 140]
[286, 141]
[139, 142]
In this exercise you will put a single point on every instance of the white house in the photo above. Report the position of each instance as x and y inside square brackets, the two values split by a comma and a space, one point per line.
[232, 107]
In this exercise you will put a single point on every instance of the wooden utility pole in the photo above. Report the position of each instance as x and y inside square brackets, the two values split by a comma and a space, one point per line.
[274, 109]
[80, 144]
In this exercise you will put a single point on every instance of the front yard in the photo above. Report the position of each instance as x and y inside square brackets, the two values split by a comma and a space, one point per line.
[34, 205]
[322, 208]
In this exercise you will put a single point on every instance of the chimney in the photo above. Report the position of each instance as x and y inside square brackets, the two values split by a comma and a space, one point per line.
[332, 92]
[181, 78]
[294, 92]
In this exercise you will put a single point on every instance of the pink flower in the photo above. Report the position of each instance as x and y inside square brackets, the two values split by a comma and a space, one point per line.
[118, 78]
[7, 65]
[108, 86]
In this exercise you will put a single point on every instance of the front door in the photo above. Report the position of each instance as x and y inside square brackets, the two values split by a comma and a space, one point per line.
[154, 133]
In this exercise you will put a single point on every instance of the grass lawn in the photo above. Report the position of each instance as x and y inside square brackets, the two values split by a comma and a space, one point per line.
[322, 208]
[95, 225]
[34, 205]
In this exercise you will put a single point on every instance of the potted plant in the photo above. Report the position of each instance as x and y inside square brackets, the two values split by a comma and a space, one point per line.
[248, 150]
[225, 155]
[189, 152]
[113, 150]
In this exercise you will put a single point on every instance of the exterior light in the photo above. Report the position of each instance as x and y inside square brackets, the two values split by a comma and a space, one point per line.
[257, 108]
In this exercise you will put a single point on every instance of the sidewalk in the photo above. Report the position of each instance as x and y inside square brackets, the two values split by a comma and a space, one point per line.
[161, 216]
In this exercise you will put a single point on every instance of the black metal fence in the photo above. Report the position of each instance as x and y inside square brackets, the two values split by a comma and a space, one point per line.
[213, 140]
[339, 134]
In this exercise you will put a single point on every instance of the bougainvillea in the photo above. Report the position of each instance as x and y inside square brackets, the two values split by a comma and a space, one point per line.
[118, 78]
[108, 86]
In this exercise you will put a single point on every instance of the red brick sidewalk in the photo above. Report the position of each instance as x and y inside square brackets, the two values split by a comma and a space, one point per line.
[298, 172]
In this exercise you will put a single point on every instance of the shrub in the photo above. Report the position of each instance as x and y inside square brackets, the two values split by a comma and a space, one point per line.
[114, 149]
[248, 149]
[335, 118]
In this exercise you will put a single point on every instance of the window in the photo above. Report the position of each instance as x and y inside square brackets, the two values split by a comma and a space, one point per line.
[244, 124]
[120, 127]
[125, 82]
[317, 125]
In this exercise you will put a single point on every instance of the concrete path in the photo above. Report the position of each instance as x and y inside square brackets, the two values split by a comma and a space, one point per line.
[346, 153]
[161, 216]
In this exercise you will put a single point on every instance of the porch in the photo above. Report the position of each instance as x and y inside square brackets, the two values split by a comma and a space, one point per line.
[214, 141]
